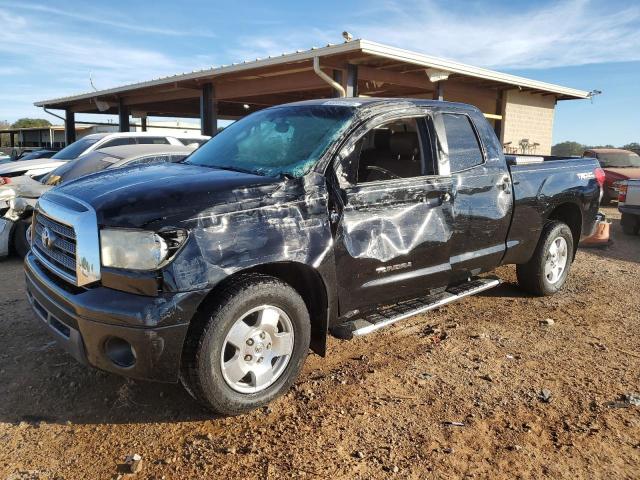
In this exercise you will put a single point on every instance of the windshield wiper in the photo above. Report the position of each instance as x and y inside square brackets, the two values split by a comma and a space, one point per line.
[233, 169]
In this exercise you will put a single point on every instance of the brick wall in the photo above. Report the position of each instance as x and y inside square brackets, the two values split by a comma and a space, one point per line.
[528, 116]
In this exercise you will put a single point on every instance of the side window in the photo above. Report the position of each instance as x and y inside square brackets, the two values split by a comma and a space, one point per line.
[458, 144]
[389, 151]
[153, 141]
[116, 142]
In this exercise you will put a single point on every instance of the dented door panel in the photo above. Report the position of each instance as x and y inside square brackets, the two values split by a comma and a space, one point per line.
[392, 241]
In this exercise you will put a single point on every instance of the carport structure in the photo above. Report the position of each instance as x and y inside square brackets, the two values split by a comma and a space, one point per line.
[516, 106]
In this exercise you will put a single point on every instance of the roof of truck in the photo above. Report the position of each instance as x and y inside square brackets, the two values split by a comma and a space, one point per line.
[370, 101]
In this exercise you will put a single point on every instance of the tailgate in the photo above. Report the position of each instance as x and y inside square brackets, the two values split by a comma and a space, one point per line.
[633, 194]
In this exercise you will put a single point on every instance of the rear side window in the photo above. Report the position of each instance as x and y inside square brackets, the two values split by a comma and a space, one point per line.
[462, 143]
[192, 141]
[153, 141]
[116, 142]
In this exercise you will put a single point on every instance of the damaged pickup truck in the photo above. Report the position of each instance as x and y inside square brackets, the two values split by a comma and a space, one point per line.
[330, 215]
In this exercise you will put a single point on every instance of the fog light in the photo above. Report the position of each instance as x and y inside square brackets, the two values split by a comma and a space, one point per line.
[120, 352]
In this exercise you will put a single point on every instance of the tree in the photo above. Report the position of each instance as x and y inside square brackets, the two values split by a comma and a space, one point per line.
[568, 149]
[4, 138]
[635, 146]
[31, 122]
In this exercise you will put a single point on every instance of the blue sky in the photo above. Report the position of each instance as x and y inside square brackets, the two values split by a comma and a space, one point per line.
[52, 49]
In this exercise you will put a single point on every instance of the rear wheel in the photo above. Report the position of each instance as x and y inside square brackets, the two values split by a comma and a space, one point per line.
[249, 347]
[630, 224]
[547, 271]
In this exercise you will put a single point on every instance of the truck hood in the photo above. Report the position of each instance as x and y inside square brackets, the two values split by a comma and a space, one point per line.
[25, 165]
[623, 173]
[164, 194]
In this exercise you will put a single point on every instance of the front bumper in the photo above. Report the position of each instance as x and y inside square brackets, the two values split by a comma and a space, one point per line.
[85, 321]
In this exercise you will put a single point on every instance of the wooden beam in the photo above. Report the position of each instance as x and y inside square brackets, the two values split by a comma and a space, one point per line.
[385, 76]
[265, 86]
[179, 94]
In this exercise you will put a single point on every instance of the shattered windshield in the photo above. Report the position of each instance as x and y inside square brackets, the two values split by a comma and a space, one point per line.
[285, 141]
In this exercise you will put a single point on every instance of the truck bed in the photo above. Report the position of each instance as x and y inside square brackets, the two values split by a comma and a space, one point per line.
[540, 184]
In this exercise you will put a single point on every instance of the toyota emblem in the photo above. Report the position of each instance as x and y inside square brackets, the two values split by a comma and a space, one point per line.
[48, 238]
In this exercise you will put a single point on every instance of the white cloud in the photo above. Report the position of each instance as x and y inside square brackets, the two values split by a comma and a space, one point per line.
[572, 32]
[99, 18]
[68, 58]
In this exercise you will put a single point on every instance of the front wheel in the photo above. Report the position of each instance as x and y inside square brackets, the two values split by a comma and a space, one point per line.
[547, 271]
[249, 347]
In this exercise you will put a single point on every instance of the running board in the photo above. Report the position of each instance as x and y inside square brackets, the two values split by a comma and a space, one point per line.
[385, 316]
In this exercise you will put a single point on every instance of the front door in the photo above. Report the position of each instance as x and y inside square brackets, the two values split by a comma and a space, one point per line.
[393, 220]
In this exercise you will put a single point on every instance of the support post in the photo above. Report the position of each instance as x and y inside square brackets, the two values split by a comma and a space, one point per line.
[12, 140]
[499, 111]
[40, 138]
[208, 110]
[438, 93]
[123, 117]
[337, 76]
[69, 127]
[143, 124]
[352, 80]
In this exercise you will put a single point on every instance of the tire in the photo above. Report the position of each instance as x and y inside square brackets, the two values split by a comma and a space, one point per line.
[19, 237]
[630, 224]
[533, 276]
[217, 339]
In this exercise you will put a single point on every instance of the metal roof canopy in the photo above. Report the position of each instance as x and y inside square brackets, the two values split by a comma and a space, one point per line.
[381, 71]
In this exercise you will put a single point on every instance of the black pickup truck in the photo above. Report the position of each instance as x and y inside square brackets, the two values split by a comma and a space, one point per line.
[341, 215]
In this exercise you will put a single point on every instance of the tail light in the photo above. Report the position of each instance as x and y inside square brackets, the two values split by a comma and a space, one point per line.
[622, 193]
[599, 173]
[5, 180]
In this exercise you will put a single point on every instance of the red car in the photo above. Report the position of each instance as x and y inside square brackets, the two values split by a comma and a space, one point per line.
[618, 165]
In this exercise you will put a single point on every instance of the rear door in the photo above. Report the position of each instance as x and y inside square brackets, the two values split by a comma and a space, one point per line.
[482, 197]
[392, 220]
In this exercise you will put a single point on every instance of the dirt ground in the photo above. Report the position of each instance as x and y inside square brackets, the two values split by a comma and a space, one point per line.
[376, 407]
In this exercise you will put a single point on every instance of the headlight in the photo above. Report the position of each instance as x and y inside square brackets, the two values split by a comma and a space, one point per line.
[18, 205]
[132, 249]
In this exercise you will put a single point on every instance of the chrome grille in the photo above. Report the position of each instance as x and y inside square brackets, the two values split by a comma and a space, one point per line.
[60, 254]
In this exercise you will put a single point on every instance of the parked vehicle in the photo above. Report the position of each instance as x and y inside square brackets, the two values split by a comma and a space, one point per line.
[342, 215]
[27, 154]
[619, 165]
[89, 143]
[18, 198]
[629, 206]
[36, 154]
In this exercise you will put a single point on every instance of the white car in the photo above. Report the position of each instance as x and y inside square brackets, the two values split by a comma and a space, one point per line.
[89, 143]
[18, 198]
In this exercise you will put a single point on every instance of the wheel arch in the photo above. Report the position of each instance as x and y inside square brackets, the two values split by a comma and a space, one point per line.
[570, 214]
[301, 277]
